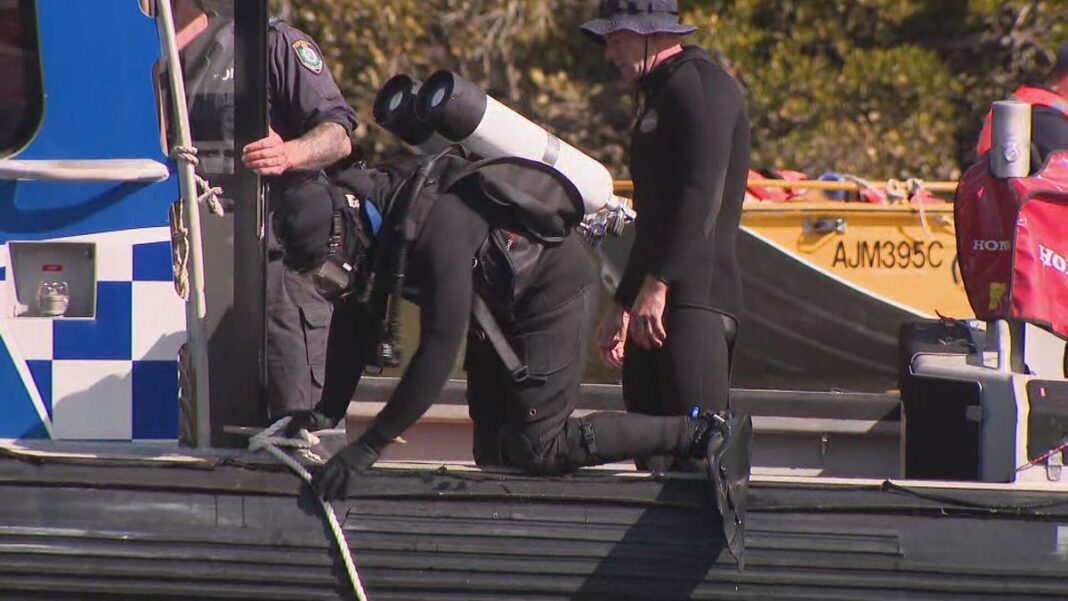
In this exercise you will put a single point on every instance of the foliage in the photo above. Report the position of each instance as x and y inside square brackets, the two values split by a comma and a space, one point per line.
[881, 88]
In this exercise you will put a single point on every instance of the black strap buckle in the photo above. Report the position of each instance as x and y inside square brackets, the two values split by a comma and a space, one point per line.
[589, 440]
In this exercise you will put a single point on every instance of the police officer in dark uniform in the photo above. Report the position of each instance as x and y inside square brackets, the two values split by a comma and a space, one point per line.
[469, 246]
[310, 125]
[673, 325]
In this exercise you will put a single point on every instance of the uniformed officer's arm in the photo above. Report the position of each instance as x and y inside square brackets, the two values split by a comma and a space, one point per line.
[704, 115]
[302, 83]
[302, 90]
[324, 145]
[444, 267]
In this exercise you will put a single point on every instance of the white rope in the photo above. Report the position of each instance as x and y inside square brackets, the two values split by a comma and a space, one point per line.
[862, 184]
[268, 441]
[180, 248]
[180, 234]
[896, 191]
[207, 193]
[914, 185]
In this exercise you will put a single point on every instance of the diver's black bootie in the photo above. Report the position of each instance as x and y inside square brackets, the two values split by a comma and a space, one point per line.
[725, 440]
[705, 431]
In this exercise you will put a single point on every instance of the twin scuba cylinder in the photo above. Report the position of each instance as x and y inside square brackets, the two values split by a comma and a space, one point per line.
[449, 109]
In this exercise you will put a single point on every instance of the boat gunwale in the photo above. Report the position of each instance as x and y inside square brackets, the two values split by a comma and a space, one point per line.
[240, 461]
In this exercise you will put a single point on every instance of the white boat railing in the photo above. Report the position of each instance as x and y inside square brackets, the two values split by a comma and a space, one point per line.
[99, 170]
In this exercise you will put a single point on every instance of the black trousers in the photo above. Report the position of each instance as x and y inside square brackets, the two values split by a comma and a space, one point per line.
[691, 369]
[529, 425]
[298, 320]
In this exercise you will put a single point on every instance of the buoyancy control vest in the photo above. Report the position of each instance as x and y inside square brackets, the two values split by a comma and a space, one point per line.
[529, 206]
[1012, 244]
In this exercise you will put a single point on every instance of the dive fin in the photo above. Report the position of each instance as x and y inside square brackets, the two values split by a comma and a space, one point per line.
[729, 457]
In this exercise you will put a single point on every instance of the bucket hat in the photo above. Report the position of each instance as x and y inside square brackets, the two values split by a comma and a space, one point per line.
[644, 17]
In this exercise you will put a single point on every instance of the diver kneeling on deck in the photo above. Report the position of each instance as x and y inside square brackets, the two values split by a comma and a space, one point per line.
[457, 238]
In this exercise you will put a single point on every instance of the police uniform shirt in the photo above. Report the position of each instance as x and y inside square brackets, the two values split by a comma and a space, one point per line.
[303, 93]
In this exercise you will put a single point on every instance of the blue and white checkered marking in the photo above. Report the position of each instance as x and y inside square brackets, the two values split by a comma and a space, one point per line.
[113, 377]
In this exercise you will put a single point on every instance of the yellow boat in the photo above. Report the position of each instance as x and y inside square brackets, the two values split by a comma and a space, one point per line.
[827, 284]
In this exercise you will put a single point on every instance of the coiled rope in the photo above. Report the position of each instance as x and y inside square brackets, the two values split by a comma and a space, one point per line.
[270, 441]
[207, 194]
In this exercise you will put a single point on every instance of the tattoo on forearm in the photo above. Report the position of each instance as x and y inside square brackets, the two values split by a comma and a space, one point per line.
[322, 146]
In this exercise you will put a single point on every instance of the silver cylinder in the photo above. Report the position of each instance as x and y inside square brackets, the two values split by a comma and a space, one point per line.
[394, 110]
[462, 112]
[1010, 150]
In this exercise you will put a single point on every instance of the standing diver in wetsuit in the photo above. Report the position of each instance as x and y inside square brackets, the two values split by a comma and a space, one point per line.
[673, 325]
[463, 227]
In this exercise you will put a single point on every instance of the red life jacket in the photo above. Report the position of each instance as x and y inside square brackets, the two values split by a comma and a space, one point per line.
[1012, 244]
[775, 194]
[1031, 95]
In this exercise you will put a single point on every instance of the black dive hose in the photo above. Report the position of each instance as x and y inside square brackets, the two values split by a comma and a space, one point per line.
[389, 350]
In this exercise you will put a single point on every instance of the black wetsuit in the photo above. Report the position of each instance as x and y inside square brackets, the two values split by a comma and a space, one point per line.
[527, 424]
[689, 162]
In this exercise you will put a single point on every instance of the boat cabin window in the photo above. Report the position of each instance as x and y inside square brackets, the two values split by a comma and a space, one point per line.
[21, 101]
[208, 70]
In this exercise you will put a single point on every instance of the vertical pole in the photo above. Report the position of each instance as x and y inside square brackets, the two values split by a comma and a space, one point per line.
[1001, 329]
[1010, 156]
[247, 406]
[1010, 150]
[196, 306]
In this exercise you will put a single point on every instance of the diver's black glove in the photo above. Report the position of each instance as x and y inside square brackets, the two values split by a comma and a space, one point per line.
[333, 480]
[307, 419]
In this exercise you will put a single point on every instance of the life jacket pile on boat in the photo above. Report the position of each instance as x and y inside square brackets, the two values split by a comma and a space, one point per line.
[866, 193]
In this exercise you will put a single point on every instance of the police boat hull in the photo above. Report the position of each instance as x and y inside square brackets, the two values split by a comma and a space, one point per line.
[229, 526]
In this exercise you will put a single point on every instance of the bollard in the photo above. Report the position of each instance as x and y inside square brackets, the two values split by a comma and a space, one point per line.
[1010, 152]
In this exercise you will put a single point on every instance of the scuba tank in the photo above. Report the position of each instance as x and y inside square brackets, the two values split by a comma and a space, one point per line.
[450, 109]
[394, 110]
